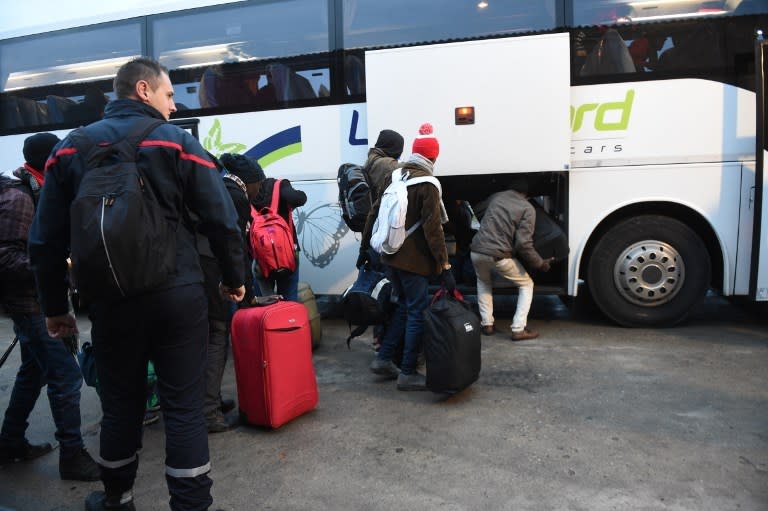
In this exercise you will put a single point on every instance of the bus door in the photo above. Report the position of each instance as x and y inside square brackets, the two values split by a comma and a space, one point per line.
[759, 266]
[497, 105]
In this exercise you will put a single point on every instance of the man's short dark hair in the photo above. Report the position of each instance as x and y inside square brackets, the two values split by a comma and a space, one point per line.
[133, 71]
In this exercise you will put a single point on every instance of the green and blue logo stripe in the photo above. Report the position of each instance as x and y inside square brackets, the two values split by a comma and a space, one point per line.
[276, 147]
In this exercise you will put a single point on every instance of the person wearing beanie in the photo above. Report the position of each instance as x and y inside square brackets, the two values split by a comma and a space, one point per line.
[382, 160]
[426, 143]
[44, 360]
[242, 179]
[506, 236]
[36, 150]
[422, 255]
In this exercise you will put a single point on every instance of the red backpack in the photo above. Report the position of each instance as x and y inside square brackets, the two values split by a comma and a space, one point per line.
[272, 243]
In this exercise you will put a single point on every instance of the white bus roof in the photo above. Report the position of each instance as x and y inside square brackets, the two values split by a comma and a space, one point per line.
[40, 16]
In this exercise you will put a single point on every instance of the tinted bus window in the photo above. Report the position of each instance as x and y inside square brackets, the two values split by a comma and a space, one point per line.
[69, 57]
[263, 54]
[62, 79]
[595, 12]
[370, 23]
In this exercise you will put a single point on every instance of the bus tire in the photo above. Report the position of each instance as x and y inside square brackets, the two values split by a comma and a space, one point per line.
[648, 271]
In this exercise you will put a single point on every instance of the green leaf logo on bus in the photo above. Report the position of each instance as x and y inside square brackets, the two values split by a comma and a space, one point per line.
[213, 144]
[583, 113]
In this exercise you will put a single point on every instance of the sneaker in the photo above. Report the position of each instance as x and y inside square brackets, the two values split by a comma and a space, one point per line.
[23, 452]
[489, 330]
[217, 423]
[97, 501]
[524, 335]
[413, 381]
[227, 405]
[79, 467]
[150, 417]
[384, 368]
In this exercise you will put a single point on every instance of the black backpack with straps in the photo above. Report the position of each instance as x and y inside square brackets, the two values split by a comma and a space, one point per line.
[354, 195]
[122, 243]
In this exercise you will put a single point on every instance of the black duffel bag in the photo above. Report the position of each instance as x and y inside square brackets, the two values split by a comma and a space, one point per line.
[451, 343]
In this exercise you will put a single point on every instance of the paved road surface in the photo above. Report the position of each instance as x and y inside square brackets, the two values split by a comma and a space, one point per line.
[588, 417]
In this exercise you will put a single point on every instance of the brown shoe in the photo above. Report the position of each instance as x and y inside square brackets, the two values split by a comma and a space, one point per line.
[489, 330]
[524, 335]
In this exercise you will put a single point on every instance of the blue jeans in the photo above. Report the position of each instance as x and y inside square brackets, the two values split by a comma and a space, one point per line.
[412, 294]
[44, 360]
[287, 286]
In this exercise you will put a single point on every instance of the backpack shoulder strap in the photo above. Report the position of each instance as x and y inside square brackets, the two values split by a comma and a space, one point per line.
[275, 195]
[85, 145]
[141, 130]
[426, 179]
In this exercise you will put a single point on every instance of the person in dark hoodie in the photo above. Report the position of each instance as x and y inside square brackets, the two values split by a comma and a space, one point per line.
[422, 254]
[242, 179]
[44, 360]
[382, 160]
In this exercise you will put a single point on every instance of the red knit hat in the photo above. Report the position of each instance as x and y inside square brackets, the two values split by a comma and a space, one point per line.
[426, 144]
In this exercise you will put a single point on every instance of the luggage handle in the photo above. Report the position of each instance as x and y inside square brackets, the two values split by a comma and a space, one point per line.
[443, 291]
[263, 301]
[285, 329]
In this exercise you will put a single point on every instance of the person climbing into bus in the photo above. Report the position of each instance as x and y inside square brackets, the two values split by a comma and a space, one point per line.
[506, 236]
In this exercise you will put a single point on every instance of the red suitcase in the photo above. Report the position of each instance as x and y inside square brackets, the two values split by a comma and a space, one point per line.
[272, 348]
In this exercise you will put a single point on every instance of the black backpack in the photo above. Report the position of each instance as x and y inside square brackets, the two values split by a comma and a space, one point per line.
[354, 195]
[367, 302]
[122, 244]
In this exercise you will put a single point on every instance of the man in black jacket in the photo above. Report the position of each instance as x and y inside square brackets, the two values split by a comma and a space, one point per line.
[169, 323]
[242, 179]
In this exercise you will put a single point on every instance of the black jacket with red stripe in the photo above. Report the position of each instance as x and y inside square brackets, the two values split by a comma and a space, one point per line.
[181, 176]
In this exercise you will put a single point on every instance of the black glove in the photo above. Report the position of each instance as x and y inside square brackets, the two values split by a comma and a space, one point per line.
[446, 278]
[361, 259]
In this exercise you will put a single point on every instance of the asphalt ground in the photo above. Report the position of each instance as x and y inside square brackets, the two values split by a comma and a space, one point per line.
[590, 416]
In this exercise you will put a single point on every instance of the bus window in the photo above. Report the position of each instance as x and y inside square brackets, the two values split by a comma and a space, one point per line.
[371, 23]
[596, 12]
[43, 79]
[253, 56]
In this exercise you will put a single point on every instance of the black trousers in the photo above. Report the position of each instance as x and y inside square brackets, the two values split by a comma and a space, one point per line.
[171, 328]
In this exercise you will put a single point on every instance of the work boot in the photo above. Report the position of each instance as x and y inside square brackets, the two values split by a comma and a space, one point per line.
[217, 423]
[413, 381]
[98, 501]
[22, 452]
[384, 368]
[79, 467]
[524, 335]
[227, 405]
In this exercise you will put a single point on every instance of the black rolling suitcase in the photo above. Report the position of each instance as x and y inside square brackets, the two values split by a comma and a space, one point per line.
[451, 343]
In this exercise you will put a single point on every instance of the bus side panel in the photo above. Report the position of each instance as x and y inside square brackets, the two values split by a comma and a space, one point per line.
[762, 265]
[712, 190]
[746, 226]
[661, 122]
[519, 87]
[307, 146]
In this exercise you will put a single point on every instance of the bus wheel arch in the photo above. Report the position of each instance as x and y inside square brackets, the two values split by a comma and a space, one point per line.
[648, 264]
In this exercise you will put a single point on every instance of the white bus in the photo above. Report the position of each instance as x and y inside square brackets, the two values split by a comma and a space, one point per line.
[640, 123]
